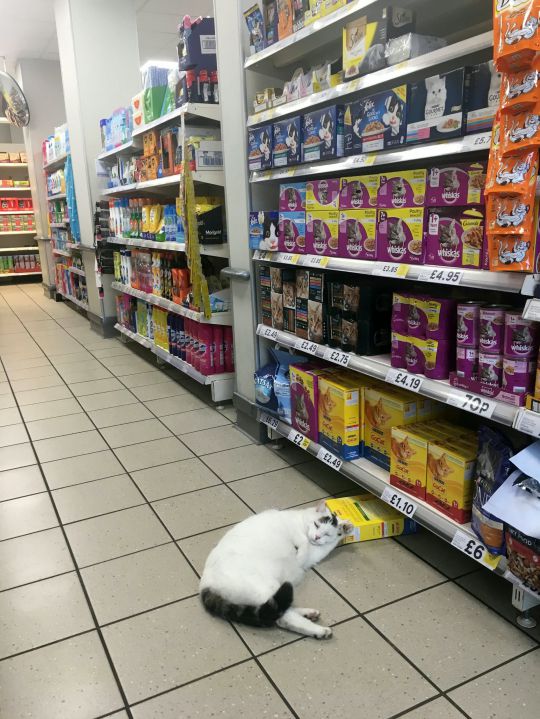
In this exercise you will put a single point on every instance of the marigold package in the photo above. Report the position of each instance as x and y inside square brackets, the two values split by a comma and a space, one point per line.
[371, 518]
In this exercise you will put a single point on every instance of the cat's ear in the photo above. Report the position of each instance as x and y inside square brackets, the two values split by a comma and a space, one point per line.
[322, 508]
[347, 528]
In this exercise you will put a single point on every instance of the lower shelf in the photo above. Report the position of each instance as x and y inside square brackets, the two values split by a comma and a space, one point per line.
[77, 271]
[18, 274]
[79, 303]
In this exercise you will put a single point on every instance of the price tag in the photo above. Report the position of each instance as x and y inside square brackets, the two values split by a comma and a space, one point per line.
[481, 141]
[481, 406]
[269, 332]
[306, 346]
[315, 261]
[391, 269]
[401, 502]
[532, 310]
[340, 358]
[330, 459]
[268, 420]
[287, 257]
[528, 422]
[474, 549]
[359, 160]
[404, 379]
[441, 276]
[258, 255]
[298, 439]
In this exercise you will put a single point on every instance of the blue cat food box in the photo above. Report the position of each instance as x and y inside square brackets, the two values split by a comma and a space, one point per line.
[483, 97]
[263, 230]
[287, 142]
[436, 107]
[377, 122]
[260, 142]
[323, 134]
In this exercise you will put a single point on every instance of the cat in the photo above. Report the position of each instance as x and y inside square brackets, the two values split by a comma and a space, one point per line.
[326, 132]
[516, 175]
[289, 295]
[351, 298]
[292, 138]
[396, 234]
[448, 236]
[450, 180]
[494, 91]
[302, 284]
[249, 576]
[439, 468]
[349, 334]
[300, 409]
[326, 403]
[488, 375]
[402, 450]
[376, 414]
[393, 117]
[265, 146]
[517, 254]
[270, 240]
[275, 279]
[277, 311]
[315, 321]
[435, 97]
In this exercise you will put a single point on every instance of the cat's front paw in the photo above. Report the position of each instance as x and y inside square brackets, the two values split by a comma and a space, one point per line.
[323, 633]
[312, 614]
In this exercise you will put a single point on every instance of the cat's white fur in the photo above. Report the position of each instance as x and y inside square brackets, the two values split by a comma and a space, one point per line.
[256, 557]
[435, 97]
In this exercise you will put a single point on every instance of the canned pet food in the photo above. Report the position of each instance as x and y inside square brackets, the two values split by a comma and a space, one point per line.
[520, 336]
[468, 323]
[467, 362]
[492, 328]
[490, 367]
[518, 375]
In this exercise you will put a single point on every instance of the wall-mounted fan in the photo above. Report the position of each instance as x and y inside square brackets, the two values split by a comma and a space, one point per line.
[12, 101]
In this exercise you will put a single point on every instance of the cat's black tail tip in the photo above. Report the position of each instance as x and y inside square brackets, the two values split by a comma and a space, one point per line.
[276, 607]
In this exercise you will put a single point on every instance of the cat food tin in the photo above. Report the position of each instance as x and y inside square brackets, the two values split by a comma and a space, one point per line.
[455, 236]
[491, 336]
[457, 185]
[400, 235]
[358, 192]
[468, 324]
[490, 367]
[406, 188]
[292, 197]
[322, 233]
[292, 232]
[520, 336]
[357, 234]
[467, 362]
[322, 195]
[518, 375]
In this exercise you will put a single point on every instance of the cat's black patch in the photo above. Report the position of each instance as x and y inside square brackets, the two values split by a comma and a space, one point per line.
[263, 616]
[333, 520]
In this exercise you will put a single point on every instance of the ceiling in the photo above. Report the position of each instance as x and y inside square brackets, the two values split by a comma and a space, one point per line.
[28, 29]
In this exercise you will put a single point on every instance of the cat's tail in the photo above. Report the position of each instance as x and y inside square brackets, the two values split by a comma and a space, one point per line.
[263, 616]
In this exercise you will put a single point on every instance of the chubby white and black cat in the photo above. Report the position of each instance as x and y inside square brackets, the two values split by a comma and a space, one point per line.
[249, 576]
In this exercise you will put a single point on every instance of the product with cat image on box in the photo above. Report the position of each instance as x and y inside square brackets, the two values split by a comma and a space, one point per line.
[323, 134]
[265, 295]
[358, 192]
[305, 397]
[405, 188]
[357, 234]
[287, 142]
[437, 105]
[270, 14]
[322, 233]
[260, 143]
[450, 477]
[483, 97]
[370, 517]
[377, 122]
[310, 323]
[384, 409]
[322, 194]
[455, 236]
[400, 235]
[339, 415]
[292, 197]
[263, 230]
[255, 23]
[456, 184]
[292, 232]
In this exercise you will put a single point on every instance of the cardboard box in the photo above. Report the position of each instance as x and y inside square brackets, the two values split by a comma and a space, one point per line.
[310, 321]
[323, 134]
[322, 233]
[339, 415]
[400, 235]
[483, 97]
[263, 230]
[151, 140]
[384, 409]
[450, 478]
[292, 232]
[357, 234]
[377, 122]
[371, 518]
[260, 144]
[436, 106]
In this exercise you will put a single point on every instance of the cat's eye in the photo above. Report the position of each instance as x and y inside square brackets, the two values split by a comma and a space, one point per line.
[316, 525]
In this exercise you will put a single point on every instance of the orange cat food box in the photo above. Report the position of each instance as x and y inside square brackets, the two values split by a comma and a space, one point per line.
[384, 409]
[339, 415]
[305, 397]
[450, 478]
[371, 518]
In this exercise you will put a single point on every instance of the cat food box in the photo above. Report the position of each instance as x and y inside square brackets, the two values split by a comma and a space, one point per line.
[260, 141]
[283, 298]
[265, 295]
[483, 97]
[292, 197]
[305, 397]
[459, 184]
[406, 188]
[408, 459]
[377, 122]
[323, 134]
[371, 518]
[400, 235]
[384, 409]
[322, 194]
[436, 107]
[358, 192]
[455, 236]
[263, 230]
[287, 146]
[292, 232]
[339, 415]
[450, 478]
[357, 234]
[309, 305]
[322, 233]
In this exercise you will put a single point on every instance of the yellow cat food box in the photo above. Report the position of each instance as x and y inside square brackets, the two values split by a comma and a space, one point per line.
[408, 460]
[450, 478]
[371, 518]
[384, 409]
[339, 415]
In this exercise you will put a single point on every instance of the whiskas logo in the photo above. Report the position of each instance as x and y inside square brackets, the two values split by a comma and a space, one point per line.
[450, 195]
[398, 251]
[448, 255]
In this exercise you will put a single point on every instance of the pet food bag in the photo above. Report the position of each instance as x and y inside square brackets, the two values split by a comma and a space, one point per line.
[510, 215]
[524, 558]
[511, 253]
[521, 90]
[520, 131]
[512, 175]
[516, 35]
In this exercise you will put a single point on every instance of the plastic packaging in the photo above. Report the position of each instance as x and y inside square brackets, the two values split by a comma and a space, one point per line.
[399, 49]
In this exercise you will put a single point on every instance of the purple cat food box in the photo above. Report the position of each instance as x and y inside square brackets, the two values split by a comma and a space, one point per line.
[323, 134]
[406, 188]
[455, 236]
[322, 194]
[260, 142]
[287, 142]
[322, 233]
[400, 235]
[357, 234]
[305, 397]
[292, 232]
[357, 193]
[459, 184]
[292, 197]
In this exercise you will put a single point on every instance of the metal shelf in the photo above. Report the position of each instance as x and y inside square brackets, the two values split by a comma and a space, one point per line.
[128, 148]
[15, 189]
[18, 232]
[190, 111]
[13, 164]
[210, 250]
[55, 225]
[77, 271]
[58, 196]
[18, 274]
[60, 253]
[55, 164]
[218, 318]
[79, 303]
[456, 51]
[208, 177]
[19, 249]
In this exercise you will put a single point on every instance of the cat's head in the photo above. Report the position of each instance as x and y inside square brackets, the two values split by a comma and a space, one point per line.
[436, 88]
[325, 527]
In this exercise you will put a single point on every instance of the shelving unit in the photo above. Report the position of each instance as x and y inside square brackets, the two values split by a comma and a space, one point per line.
[211, 250]
[207, 177]
[79, 303]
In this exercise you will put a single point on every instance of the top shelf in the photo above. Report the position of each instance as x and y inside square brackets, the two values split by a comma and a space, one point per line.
[189, 111]
[55, 164]
[12, 165]
[128, 148]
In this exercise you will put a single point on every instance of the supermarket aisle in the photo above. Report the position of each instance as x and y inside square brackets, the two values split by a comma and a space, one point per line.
[115, 483]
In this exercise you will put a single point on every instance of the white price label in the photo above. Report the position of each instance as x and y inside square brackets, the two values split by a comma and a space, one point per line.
[306, 346]
[315, 261]
[401, 502]
[474, 549]
[404, 379]
[258, 255]
[340, 358]
[268, 420]
[481, 406]
[268, 332]
[330, 459]
[443, 277]
[389, 269]
[483, 140]
[287, 257]
[528, 422]
[532, 310]
[298, 439]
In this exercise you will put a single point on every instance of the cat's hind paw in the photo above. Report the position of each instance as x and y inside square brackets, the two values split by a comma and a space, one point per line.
[323, 633]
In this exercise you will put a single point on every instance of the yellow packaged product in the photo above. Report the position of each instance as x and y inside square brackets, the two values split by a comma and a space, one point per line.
[408, 459]
[450, 478]
[339, 415]
[371, 518]
[384, 409]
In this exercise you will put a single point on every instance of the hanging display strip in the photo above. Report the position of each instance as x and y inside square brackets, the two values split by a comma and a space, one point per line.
[380, 368]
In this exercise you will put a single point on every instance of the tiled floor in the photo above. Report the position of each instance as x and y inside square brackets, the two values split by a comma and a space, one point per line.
[117, 478]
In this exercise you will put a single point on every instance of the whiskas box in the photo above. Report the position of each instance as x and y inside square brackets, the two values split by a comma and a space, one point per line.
[377, 122]
[292, 197]
[339, 416]
[263, 230]
[384, 409]
[322, 194]
[292, 232]
[483, 97]
[450, 478]
[436, 107]
[400, 235]
[309, 305]
[323, 134]
[455, 236]
[287, 142]
[371, 518]
[357, 234]
[408, 459]
[457, 184]
[358, 192]
[260, 140]
[406, 188]
[305, 397]
[322, 233]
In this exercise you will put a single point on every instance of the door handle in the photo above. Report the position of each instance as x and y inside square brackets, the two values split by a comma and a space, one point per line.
[235, 274]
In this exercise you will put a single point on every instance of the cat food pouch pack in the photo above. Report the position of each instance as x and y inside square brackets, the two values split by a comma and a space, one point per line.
[339, 415]
[322, 195]
[305, 397]
[441, 318]
[374, 313]
[408, 459]
[400, 235]
[416, 321]
[384, 409]
[309, 305]
[483, 97]
[456, 185]
[260, 142]
[357, 234]
[492, 469]
[371, 518]
[287, 144]
[520, 131]
[265, 294]
[521, 90]
[511, 253]
[436, 107]
[510, 215]
[377, 122]
[292, 232]
[524, 558]
[292, 197]
[323, 134]
[406, 188]
[255, 23]
[516, 35]
[322, 233]
[358, 192]
[455, 236]
[263, 230]
[400, 312]
[513, 174]
[450, 475]
[270, 21]
[398, 347]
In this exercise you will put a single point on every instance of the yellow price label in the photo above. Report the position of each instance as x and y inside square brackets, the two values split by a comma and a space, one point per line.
[370, 159]
[298, 439]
